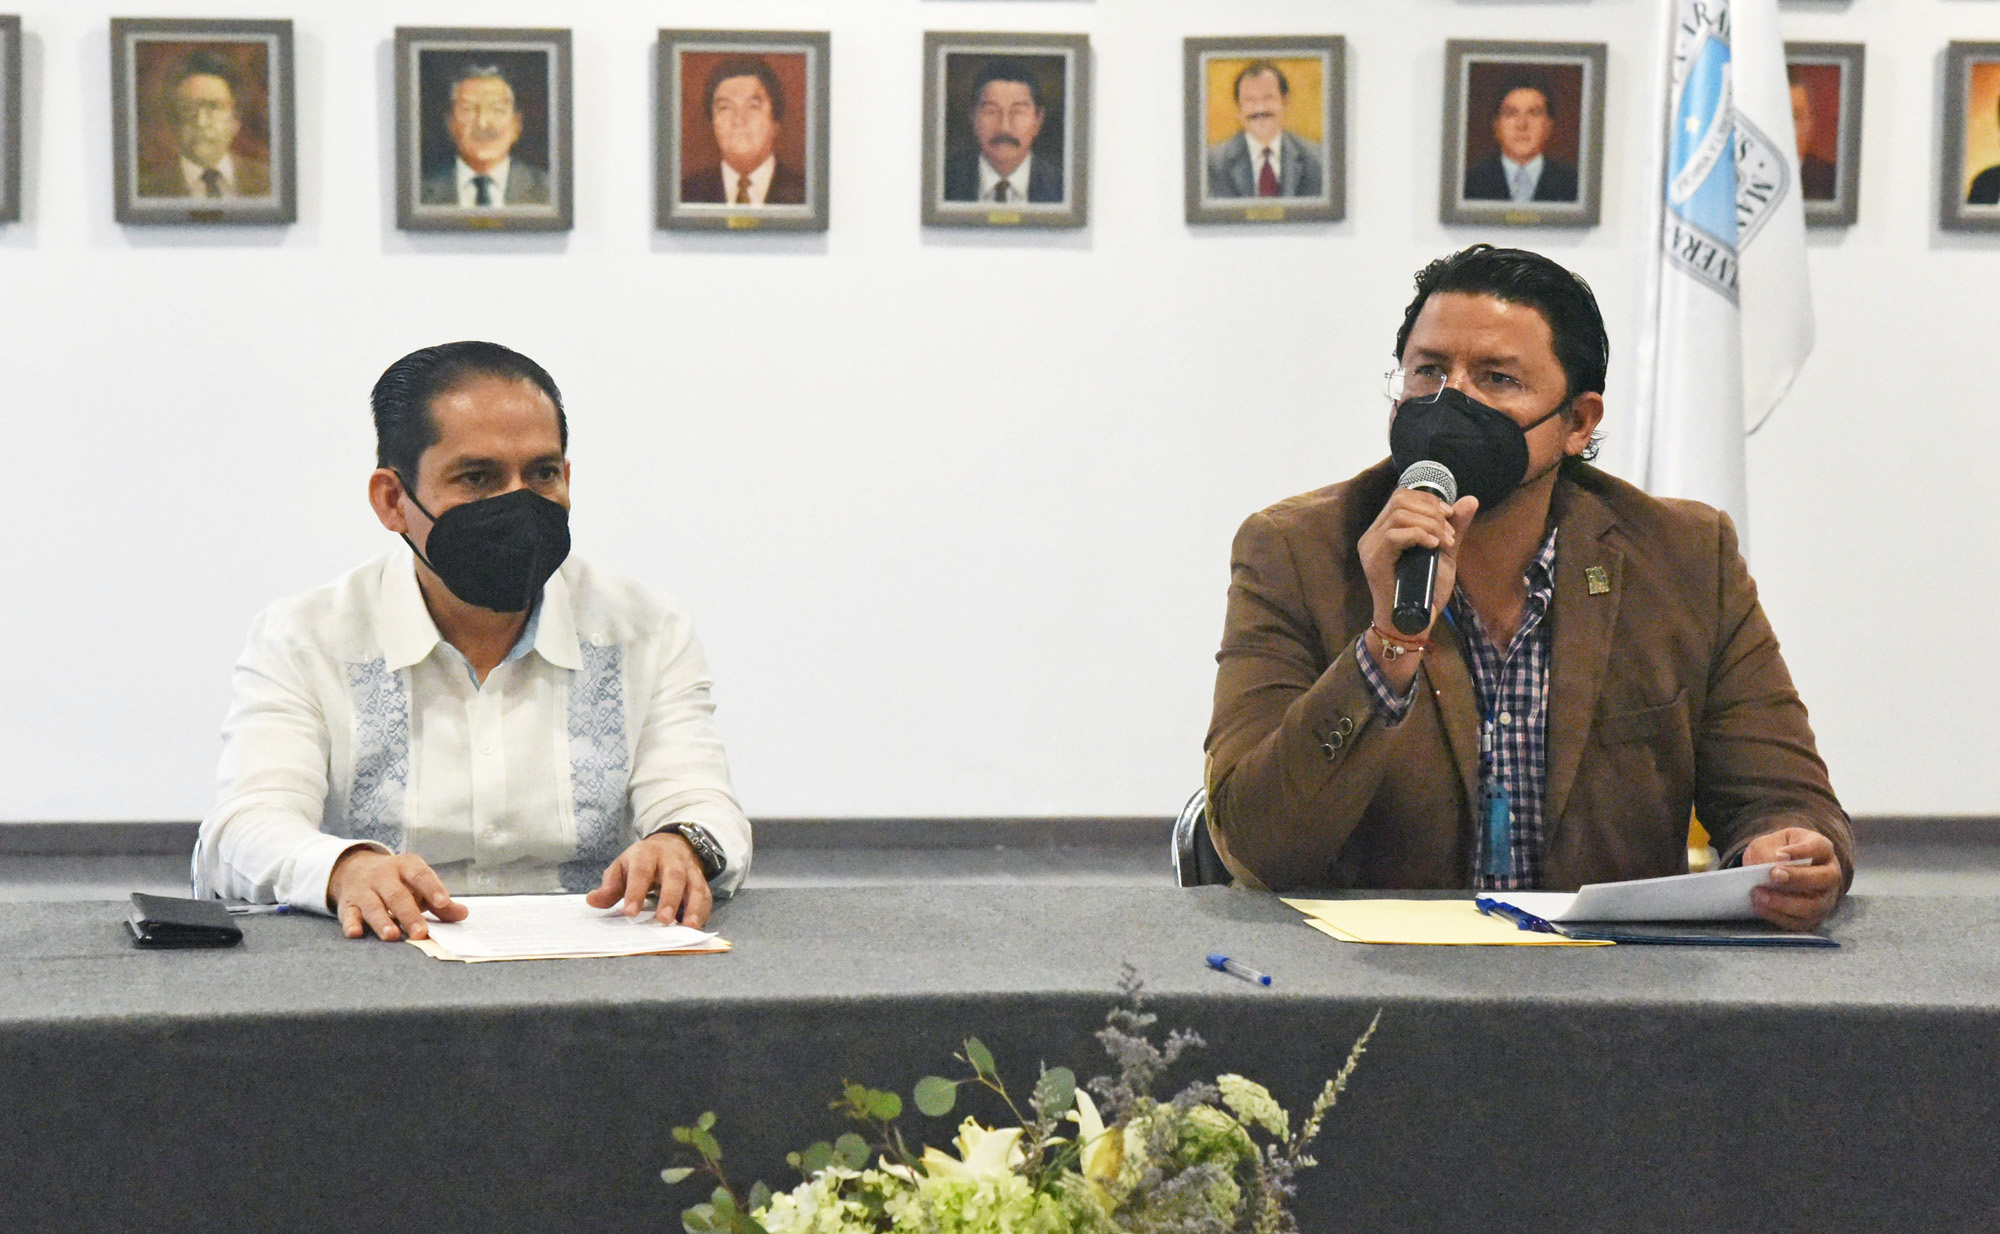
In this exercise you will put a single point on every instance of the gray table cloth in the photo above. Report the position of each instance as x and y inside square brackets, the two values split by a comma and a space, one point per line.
[305, 1082]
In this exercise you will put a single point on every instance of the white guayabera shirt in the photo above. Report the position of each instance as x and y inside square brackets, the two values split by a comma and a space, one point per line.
[353, 721]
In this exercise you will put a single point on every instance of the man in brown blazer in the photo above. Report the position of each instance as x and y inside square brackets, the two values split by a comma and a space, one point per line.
[1596, 662]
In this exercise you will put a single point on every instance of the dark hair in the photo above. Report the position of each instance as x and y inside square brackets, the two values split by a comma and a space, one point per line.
[474, 71]
[402, 398]
[746, 66]
[205, 64]
[1517, 276]
[1261, 66]
[1522, 81]
[1006, 69]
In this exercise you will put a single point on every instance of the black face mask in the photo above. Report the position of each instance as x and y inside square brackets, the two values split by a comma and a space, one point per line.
[1486, 451]
[497, 553]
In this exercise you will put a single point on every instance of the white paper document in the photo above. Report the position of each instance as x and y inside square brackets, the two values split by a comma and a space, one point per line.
[1717, 895]
[521, 927]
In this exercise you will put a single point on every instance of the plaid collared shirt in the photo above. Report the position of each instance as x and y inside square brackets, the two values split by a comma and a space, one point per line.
[1512, 693]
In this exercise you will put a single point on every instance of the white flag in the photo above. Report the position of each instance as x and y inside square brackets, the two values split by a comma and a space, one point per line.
[1731, 320]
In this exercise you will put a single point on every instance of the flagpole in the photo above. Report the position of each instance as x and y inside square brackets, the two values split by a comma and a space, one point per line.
[1646, 357]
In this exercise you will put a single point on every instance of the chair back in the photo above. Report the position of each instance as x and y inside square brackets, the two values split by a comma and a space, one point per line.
[1196, 863]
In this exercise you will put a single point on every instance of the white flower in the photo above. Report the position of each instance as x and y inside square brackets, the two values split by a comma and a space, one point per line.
[815, 1207]
[1099, 1154]
[983, 1154]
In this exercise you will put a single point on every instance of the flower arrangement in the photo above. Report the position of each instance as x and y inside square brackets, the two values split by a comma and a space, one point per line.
[1103, 1158]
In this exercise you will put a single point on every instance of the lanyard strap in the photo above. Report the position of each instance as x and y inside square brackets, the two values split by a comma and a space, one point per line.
[1496, 805]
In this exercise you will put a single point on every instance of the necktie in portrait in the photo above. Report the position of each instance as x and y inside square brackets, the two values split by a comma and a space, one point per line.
[211, 182]
[1267, 179]
[482, 188]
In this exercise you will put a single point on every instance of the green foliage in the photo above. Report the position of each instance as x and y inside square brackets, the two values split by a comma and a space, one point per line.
[811, 1159]
[936, 1095]
[981, 1058]
[1215, 1159]
[851, 1151]
[865, 1104]
[1055, 1092]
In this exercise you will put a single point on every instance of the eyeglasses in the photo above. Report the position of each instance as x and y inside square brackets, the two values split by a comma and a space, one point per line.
[1018, 113]
[203, 109]
[1402, 384]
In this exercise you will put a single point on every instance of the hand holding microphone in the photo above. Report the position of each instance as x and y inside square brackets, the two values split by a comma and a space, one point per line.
[1410, 553]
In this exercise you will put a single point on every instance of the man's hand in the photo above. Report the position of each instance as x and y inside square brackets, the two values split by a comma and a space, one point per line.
[1413, 519]
[665, 861]
[387, 893]
[1798, 897]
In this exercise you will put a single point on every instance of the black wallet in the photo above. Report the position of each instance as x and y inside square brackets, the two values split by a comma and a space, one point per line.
[168, 921]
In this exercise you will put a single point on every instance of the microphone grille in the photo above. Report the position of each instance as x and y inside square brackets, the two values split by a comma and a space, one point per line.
[1433, 476]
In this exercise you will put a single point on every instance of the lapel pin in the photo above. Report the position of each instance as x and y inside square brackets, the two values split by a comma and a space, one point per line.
[1597, 580]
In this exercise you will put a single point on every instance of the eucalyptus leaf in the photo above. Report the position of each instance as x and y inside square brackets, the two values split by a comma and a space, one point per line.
[1055, 1092]
[701, 1219]
[815, 1158]
[760, 1196]
[705, 1144]
[852, 1151]
[725, 1203]
[676, 1175]
[706, 1120]
[936, 1095]
[980, 1057]
[886, 1106]
[682, 1135]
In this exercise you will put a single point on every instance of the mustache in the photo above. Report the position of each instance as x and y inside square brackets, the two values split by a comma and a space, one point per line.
[1004, 139]
[1261, 115]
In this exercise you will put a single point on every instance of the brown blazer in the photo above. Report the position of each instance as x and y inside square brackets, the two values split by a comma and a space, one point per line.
[163, 179]
[1665, 692]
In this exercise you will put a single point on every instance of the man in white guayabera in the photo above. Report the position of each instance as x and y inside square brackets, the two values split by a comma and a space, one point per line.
[477, 711]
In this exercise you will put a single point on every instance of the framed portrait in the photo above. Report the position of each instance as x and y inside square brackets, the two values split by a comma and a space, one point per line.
[10, 119]
[1006, 130]
[483, 129]
[742, 130]
[202, 121]
[1523, 134]
[1970, 197]
[1825, 81]
[1266, 129]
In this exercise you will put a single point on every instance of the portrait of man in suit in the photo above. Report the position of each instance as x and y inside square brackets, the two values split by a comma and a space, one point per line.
[1009, 110]
[1522, 168]
[1816, 178]
[485, 124]
[745, 107]
[1264, 159]
[199, 106]
[1985, 190]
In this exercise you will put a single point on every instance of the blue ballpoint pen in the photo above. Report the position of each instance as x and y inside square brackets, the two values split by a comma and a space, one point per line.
[1521, 918]
[258, 910]
[1223, 964]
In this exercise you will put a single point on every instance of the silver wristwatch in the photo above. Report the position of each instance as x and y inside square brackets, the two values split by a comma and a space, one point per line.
[706, 850]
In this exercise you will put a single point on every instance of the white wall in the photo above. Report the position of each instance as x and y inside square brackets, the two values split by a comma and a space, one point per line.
[953, 510]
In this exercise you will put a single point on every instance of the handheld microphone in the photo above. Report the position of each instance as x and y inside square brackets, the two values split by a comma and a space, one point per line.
[1417, 568]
